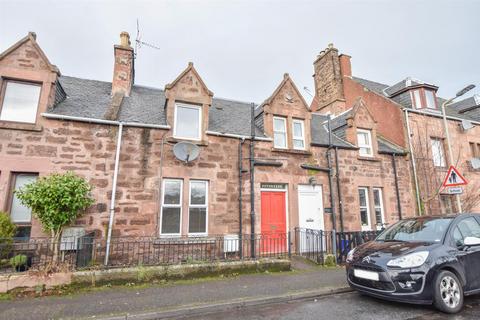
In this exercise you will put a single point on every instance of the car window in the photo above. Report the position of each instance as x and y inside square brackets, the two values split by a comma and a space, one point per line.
[457, 237]
[469, 227]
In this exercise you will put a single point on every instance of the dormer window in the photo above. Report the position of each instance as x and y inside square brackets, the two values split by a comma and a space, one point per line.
[188, 119]
[20, 101]
[280, 132]
[298, 137]
[364, 141]
[430, 99]
[424, 98]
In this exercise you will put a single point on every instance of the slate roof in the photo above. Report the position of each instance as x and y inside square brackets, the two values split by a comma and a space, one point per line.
[405, 100]
[320, 134]
[91, 99]
[466, 104]
[388, 147]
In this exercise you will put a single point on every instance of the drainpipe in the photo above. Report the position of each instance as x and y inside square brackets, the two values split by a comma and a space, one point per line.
[397, 190]
[240, 187]
[414, 166]
[330, 185]
[114, 191]
[339, 189]
[252, 181]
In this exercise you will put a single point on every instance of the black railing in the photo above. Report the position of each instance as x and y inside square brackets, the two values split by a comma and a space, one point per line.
[89, 252]
[315, 245]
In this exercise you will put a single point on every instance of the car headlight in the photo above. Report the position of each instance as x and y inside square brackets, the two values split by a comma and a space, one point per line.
[350, 255]
[411, 260]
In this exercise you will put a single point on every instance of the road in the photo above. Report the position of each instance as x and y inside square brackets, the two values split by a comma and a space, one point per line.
[346, 306]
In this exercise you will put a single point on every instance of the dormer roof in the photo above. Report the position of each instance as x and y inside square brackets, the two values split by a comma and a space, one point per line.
[406, 84]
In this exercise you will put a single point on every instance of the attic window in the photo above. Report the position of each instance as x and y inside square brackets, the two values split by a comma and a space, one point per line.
[187, 121]
[423, 98]
[20, 102]
[364, 140]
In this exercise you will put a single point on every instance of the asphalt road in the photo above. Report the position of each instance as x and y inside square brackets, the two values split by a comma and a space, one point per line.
[346, 306]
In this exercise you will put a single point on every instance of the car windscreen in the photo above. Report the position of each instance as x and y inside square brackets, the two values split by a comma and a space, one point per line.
[413, 230]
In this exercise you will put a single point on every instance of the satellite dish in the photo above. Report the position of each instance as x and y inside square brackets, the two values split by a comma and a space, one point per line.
[466, 125]
[186, 151]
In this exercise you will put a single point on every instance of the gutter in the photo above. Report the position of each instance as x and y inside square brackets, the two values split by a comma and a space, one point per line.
[238, 136]
[101, 121]
[439, 116]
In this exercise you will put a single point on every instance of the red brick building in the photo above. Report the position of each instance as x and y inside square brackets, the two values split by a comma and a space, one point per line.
[120, 136]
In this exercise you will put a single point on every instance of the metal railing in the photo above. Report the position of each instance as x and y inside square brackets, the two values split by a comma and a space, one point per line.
[315, 245]
[89, 251]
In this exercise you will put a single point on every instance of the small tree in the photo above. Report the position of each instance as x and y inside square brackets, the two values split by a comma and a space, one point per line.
[56, 200]
[7, 231]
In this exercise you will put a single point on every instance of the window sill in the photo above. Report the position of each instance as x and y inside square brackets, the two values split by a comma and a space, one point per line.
[177, 240]
[197, 142]
[374, 159]
[20, 126]
[292, 151]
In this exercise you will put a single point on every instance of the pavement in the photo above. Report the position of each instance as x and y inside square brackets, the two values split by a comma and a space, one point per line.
[344, 306]
[183, 298]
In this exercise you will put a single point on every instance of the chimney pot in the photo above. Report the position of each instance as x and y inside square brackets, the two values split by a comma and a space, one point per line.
[124, 39]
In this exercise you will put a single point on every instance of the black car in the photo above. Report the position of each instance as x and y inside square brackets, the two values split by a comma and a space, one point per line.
[422, 260]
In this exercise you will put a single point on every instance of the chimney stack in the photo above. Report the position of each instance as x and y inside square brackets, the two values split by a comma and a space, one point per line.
[123, 69]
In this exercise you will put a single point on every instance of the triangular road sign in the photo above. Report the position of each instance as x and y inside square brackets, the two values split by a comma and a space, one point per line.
[453, 178]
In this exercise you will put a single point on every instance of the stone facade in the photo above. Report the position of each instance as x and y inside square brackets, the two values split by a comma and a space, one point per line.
[146, 154]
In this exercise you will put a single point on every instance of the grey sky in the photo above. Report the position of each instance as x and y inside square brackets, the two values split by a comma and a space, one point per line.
[242, 48]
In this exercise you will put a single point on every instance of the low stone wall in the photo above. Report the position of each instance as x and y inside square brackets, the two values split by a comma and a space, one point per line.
[33, 282]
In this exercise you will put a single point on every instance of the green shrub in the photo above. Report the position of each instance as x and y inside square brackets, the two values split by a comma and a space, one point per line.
[56, 200]
[329, 261]
[7, 231]
[18, 261]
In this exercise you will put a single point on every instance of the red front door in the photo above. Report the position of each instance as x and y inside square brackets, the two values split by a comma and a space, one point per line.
[274, 225]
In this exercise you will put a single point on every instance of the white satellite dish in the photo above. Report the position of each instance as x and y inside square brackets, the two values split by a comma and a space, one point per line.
[466, 125]
[186, 151]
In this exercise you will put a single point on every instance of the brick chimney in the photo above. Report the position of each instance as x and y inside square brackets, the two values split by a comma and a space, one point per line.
[123, 69]
[345, 65]
[328, 78]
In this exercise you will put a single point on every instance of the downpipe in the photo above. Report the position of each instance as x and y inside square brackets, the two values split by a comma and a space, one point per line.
[114, 191]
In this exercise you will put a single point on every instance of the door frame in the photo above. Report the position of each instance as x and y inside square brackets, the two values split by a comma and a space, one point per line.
[285, 190]
[321, 199]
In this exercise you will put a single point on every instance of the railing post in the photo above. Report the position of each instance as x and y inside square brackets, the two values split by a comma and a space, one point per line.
[334, 244]
[289, 246]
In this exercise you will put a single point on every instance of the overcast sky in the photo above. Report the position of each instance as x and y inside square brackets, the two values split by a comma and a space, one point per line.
[242, 48]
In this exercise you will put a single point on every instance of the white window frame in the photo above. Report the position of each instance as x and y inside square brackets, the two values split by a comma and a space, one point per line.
[189, 106]
[3, 95]
[417, 99]
[190, 205]
[381, 207]
[14, 179]
[368, 146]
[367, 206]
[280, 132]
[302, 138]
[180, 205]
[426, 92]
[438, 156]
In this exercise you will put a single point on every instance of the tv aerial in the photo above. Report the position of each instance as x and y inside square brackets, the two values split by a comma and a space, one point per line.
[139, 43]
[186, 151]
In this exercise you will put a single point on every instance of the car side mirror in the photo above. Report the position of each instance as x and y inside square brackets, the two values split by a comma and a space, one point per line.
[471, 241]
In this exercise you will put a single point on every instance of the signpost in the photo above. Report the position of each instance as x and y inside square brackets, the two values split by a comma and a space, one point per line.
[453, 182]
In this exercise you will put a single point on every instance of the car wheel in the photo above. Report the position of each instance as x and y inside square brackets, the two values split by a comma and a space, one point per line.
[448, 292]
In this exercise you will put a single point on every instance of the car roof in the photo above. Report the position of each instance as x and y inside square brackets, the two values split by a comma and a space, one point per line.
[439, 216]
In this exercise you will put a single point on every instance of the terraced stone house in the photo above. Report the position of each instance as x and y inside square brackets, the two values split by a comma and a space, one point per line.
[266, 167]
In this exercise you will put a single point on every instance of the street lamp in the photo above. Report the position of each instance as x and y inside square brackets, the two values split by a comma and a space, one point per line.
[447, 134]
